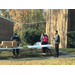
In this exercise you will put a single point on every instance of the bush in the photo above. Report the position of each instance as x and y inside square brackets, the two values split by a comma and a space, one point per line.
[32, 36]
[71, 37]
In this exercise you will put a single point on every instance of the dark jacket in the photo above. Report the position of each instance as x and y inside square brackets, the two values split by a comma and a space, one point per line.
[57, 39]
[15, 38]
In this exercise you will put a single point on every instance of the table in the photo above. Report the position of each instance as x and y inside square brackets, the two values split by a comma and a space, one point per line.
[2, 49]
[39, 46]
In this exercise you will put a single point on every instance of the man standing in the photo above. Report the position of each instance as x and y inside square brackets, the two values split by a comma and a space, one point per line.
[15, 38]
[56, 42]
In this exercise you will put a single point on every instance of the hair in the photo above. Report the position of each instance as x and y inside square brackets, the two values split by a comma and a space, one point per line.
[43, 33]
[56, 31]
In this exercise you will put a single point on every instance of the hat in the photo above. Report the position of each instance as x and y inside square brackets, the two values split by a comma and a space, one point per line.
[15, 33]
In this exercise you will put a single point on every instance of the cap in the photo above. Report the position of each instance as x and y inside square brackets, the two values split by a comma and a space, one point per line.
[15, 33]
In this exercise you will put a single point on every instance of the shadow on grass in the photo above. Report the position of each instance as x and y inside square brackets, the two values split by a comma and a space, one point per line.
[32, 53]
[25, 53]
[68, 50]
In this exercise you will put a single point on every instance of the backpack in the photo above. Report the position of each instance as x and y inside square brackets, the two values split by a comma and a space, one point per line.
[45, 39]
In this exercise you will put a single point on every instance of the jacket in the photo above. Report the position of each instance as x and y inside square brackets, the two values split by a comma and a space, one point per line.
[57, 39]
[41, 38]
[17, 39]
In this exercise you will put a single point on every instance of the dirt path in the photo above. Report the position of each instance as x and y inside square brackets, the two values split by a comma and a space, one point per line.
[61, 55]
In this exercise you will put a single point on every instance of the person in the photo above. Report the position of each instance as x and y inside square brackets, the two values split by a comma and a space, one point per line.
[56, 42]
[44, 41]
[15, 38]
[42, 37]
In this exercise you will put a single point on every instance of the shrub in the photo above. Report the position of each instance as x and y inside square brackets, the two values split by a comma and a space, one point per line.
[32, 36]
[71, 37]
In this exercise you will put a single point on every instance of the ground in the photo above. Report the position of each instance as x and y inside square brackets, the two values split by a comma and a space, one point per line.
[63, 59]
[35, 58]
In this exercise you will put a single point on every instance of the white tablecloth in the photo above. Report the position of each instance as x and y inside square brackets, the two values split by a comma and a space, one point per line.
[13, 48]
[39, 46]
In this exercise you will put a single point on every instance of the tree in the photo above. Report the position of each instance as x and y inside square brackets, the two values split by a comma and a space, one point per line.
[31, 36]
[24, 16]
[36, 15]
[71, 37]
[5, 13]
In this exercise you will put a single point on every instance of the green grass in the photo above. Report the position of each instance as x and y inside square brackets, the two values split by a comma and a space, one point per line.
[25, 53]
[68, 50]
[30, 53]
[69, 61]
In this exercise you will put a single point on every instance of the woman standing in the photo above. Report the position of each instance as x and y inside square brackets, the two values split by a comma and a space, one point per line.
[44, 41]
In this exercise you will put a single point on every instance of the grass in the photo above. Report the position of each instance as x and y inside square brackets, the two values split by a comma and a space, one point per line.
[25, 53]
[70, 61]
[68, 50]
[32, 53]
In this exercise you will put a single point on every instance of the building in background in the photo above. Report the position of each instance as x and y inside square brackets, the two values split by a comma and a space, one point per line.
[6, 29]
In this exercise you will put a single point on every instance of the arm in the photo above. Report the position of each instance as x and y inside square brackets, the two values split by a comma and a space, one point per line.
[53, 38]
[18, 40]
[11, 38]
[41, 38]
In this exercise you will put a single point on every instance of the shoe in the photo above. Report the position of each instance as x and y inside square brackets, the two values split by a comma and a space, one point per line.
[18, 55]
[55, 56]
[13, 55]
[44, 53]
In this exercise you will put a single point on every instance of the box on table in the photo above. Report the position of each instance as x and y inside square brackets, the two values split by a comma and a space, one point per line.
[0, 46]
[14, 44]
[9, 44]
[6, 44]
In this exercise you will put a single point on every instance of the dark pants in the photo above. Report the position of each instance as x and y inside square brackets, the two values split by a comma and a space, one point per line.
[44, 48]
[57, 49]
[17, 51]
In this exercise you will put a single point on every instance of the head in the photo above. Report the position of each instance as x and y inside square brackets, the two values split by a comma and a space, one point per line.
[15, 35]
[56, 32]
[44, 34]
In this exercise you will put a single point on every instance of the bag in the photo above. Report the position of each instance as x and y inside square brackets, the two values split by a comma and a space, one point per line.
[45, 39]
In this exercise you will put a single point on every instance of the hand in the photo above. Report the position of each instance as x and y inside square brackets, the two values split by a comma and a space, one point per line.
[53, 37]
[14, 40]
